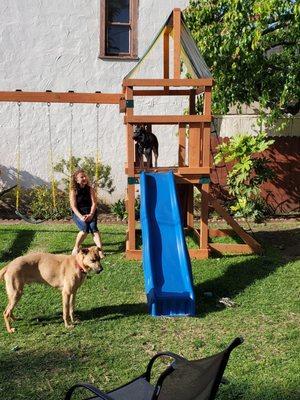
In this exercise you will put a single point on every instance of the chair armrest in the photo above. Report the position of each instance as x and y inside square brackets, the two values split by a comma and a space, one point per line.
[91, 388]
[236, 342]
[162, 354]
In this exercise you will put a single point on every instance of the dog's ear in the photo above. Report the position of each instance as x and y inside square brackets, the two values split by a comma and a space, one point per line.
[84, 251]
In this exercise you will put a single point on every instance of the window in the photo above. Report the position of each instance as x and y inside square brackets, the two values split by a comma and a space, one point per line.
[118, 31]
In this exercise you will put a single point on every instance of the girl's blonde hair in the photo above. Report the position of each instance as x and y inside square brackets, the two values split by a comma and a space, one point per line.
[74, 184]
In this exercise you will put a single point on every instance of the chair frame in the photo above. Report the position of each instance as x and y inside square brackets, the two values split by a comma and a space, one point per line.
[147, 375]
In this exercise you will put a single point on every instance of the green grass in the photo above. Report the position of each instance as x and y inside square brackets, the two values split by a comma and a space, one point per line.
[116, 336]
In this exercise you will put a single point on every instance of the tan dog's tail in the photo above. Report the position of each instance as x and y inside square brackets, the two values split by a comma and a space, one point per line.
[2, 272]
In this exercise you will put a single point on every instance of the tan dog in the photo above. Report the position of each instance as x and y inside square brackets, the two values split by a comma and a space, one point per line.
[66, 273]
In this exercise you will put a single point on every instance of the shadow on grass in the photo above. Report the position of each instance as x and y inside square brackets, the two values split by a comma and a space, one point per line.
[236, 391]
[22, 372]
[34, 375]
[20, 245]
[113, 312]
[280, 247]
[16, 228]
[233, 281]
[105, 313]
[286, 241]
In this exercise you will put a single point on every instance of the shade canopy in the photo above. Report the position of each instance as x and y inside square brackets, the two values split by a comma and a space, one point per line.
[193, 61]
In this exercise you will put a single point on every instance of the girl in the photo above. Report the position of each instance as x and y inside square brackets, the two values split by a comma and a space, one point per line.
[84, 209]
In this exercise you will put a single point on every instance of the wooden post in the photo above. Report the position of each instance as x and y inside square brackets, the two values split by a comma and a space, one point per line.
[190, 206]
[166, 54]
[176, 38]
[206, 127]
[204, 189]
[182, 146]
[131, 187]
[193, 161]
[194, 134]
[249, 240]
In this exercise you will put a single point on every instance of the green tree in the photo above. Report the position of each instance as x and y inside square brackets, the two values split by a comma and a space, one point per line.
[104, 180]
[252, 48]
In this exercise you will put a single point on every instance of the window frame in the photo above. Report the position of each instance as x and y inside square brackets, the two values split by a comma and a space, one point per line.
[133, 19]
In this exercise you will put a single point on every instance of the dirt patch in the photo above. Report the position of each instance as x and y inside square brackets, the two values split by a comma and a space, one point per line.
[281, 234]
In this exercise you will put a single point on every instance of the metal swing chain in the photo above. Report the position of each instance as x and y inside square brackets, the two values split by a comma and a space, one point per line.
[97, 167]
[53, 186]
[71, 166]
[18, 157]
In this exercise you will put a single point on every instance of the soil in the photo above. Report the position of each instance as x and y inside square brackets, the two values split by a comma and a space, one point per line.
[283, 235]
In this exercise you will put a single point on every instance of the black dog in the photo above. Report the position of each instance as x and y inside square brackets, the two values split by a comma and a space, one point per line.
[146, 144]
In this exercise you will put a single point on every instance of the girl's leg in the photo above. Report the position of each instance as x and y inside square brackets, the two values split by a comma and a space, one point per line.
[79, 239]
[98, 243]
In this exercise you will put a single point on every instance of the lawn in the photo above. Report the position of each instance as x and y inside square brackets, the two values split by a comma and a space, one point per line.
[116, 336]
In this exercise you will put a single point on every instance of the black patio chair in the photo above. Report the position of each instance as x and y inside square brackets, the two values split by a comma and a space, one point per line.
[181, 380]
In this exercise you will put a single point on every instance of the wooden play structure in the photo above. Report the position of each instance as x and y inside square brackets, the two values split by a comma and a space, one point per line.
[193, 167]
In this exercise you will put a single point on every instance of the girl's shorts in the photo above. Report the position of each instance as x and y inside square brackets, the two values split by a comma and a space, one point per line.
[88, 227]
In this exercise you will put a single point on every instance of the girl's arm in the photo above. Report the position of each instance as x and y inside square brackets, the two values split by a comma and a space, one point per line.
[74, 205]
[89, 216]
[94, 202]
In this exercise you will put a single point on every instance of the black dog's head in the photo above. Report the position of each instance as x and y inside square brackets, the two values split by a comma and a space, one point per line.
[138, 133]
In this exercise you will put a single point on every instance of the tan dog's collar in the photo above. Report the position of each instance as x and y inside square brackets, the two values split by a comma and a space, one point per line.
[81, 269]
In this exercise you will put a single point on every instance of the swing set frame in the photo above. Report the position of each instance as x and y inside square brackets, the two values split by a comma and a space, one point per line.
[194, 163]
[50, 97]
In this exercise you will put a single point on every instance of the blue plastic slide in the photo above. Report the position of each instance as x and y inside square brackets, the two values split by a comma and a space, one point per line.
[166, 262]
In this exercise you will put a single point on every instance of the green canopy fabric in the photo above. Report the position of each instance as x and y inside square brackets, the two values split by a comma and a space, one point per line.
[190, 54]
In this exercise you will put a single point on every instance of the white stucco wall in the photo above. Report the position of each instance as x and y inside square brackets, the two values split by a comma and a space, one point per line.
[54, 45]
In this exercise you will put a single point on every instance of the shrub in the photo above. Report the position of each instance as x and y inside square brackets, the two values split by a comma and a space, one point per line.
[39, 203]
[41, 206]
[119, 209]
[88, 164]
[247, 174]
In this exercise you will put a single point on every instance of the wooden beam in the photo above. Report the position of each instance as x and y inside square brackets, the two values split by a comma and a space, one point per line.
[206, 144]
[194, 170]
[182, 145]
[226, 248]
[190, 206]
[207, 100]
[249, 240]
[122, 106]
[206, 128]
[204, 189]
[130, 188]
[194, 253]
[168, 82]
[56, 97]
[192, 102]
[130, 141]
[194, 158]
[165, 119]
[133, 254]
[214, 232]
[199, 254]
[166, 51]
[190, 175]
[176, 39]
[187, 179]
[161, 92]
